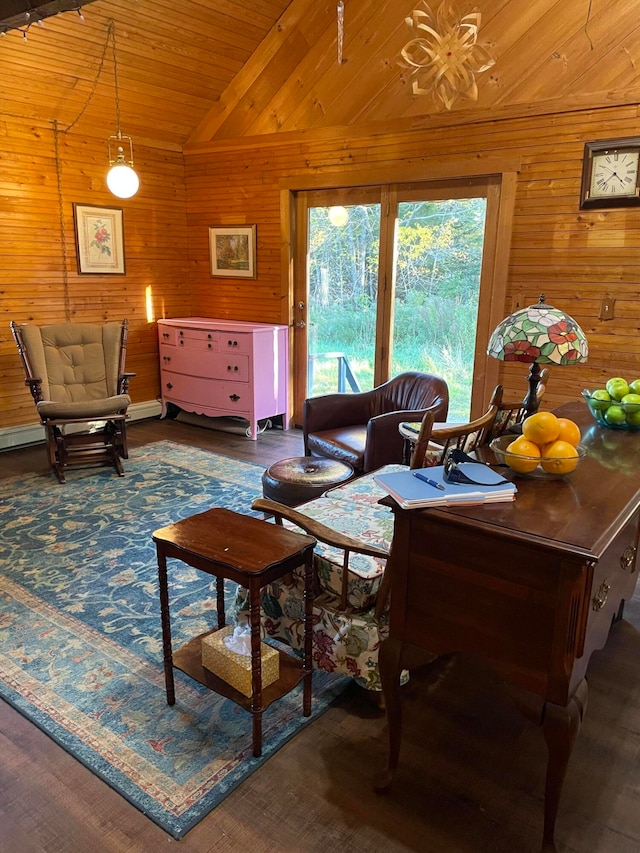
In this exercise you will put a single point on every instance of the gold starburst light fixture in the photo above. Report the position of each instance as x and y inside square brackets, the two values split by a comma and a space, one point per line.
[446, 56]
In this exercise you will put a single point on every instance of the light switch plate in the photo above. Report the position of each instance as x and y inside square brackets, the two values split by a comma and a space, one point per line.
[606, 308]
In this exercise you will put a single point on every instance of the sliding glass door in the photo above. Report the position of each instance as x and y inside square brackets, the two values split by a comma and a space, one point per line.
[389, 279]
[436, 274]
[342, 298]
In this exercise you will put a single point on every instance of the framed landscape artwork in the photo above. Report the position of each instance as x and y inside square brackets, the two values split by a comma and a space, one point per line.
[232, 250]
[99, 239]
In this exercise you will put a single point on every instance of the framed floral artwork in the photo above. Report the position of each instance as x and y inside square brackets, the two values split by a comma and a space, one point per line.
[232, 250]
[99, 239]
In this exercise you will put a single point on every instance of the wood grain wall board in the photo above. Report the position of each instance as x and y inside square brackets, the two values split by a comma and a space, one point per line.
[32, 283]
[237, 52]
[552, 249]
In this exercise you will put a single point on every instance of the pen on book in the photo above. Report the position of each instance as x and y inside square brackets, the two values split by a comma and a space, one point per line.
[427, 480]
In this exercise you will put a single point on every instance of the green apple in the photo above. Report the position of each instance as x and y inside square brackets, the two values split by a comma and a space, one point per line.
[635, 386]
[600, 400]
[617, 387]
[615, 415]
[631, 399]
[633, 418]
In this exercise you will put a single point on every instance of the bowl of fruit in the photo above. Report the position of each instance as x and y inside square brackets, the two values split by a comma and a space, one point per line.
[549, 447]
[617, 405]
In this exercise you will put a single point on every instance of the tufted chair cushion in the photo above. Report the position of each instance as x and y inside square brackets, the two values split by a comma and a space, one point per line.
[78, 366]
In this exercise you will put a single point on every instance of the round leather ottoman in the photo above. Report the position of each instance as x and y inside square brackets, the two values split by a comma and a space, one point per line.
[303, 478]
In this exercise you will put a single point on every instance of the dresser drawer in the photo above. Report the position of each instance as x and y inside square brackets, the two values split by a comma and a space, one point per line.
[167, 335]
[206, 363]
[197, 338]
[234, 342]
[229, 397]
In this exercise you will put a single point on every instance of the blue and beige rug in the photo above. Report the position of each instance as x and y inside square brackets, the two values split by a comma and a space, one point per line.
[80, 638]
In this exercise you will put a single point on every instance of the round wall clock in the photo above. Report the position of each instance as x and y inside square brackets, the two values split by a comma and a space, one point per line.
[611, 173]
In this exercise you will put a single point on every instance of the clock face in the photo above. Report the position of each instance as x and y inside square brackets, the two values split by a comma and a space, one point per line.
[614, 174]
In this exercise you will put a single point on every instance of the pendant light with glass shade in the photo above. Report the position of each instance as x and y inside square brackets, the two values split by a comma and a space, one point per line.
[122, 180]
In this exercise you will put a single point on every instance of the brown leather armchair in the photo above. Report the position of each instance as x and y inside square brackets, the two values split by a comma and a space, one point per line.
[362, 428]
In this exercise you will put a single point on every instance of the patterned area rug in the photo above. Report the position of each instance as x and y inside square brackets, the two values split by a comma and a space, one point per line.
[80, 638]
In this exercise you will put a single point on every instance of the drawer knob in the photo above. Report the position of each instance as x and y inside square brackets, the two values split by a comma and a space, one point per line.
[628, 559]
[169, 386]
[209, 346]
[600, 598]
[231, 343]
[166, 358]
[181, 343]
[234, 397]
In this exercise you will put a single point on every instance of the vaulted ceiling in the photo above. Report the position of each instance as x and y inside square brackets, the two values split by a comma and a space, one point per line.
[199, 70]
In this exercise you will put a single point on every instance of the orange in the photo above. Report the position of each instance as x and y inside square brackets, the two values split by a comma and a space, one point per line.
[564, 457]
[569, 431]
[517, 452]
[541, 428]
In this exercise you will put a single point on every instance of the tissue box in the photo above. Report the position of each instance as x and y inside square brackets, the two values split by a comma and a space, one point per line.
[233, 668]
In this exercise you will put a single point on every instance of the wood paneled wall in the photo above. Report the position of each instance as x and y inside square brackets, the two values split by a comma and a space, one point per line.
[575, 257]
[39, 281]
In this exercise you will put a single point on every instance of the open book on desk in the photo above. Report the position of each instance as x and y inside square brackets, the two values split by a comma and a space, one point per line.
[426, 487]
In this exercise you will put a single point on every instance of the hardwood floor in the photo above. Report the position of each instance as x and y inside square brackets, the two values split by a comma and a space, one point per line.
[471, 772]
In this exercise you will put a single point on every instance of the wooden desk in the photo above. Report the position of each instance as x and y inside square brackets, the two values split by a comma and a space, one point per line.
[531, 586]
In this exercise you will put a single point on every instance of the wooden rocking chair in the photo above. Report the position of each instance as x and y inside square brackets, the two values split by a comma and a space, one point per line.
[75, 372]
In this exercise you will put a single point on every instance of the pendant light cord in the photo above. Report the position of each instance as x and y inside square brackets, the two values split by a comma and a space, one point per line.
[63, 236]
[111, 39]
[112, 32]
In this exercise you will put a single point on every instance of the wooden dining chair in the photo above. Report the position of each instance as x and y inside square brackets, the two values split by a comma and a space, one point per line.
[432, 444]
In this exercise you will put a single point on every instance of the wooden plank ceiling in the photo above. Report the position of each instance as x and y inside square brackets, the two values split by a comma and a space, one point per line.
[550, 56]
[174, 60]
[196, 71]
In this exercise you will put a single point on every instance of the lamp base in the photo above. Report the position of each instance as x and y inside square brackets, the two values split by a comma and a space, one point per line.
[530, 402]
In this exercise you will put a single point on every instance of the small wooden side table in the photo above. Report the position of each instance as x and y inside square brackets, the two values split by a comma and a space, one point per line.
[253, 553]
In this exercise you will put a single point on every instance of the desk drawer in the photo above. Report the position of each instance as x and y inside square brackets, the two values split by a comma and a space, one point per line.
[231, 397]
[206, 363]
[614, 580]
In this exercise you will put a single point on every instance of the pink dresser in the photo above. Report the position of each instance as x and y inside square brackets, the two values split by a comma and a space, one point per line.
[223, 367]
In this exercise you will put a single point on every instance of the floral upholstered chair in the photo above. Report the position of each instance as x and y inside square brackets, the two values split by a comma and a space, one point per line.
[353, 560]
[354, 534]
